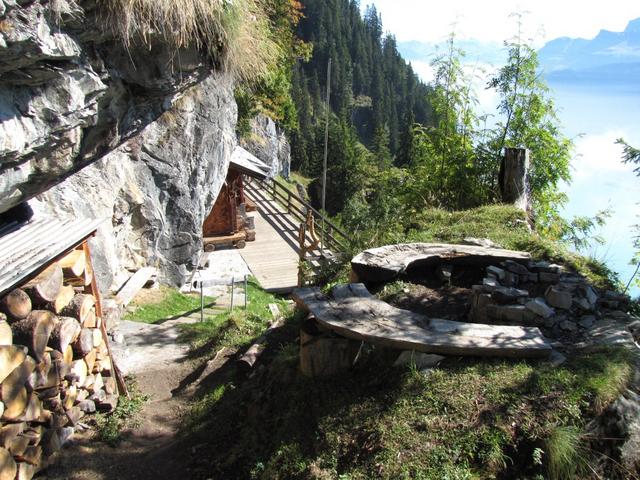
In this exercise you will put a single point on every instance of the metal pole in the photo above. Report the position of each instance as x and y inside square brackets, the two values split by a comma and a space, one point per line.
[201, 302]
[233, 281]
[326, 152]
[246, 293]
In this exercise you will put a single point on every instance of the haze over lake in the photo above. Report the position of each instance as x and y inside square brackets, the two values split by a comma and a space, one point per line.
[601, 113]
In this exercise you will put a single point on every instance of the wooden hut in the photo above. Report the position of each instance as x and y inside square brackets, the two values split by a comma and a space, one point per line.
[228, 222]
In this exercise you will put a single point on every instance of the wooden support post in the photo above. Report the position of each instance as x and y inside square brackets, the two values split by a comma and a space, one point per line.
[514, 171]
[122, 386]
[289, 202]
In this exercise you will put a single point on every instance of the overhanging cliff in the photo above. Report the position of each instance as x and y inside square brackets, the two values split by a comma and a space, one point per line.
[140, 134]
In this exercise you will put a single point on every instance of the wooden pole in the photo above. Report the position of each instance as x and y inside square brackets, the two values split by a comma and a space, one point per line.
[201, 302]
[233, 282]
[246, 293]
[326, 153]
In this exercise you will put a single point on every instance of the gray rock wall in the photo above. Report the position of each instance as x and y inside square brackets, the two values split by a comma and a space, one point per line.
[269, 143]
[140, 136]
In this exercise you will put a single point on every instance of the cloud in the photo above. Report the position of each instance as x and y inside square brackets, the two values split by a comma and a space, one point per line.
[491, 21]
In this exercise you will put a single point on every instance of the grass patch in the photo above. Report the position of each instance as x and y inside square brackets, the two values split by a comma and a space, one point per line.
[468, 419]
[507, 226]
[167, 305]
[233, 329]
[125, 416]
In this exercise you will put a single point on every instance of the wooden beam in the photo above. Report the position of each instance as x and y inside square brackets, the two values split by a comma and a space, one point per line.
[356, 314]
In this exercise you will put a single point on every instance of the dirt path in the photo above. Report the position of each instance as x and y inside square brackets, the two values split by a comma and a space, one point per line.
[160, 364]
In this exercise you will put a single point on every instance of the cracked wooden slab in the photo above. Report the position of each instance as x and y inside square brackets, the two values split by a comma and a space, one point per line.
[354, 313]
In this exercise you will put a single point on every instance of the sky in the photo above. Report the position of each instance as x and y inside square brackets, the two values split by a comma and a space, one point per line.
[421, 20]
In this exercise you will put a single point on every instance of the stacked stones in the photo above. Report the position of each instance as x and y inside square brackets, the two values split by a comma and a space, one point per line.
[540, 294]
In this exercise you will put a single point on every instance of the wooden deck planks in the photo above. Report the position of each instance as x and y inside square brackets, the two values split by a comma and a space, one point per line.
[273, 256]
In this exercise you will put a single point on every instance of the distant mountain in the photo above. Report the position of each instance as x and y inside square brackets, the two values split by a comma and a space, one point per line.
[605, 49]
[492, 53]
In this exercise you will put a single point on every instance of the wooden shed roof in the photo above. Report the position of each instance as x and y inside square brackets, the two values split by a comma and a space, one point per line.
[249, 164]
[27, 247]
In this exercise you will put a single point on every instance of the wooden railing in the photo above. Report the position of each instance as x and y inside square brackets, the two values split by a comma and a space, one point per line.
[334, 238]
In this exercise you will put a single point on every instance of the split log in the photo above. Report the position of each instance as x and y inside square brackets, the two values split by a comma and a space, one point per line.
[90, 360]
[9, 432]
[84, 344]
[70, 397]
[80, 306]
[45, 287]
[73, 264]
[63, 299]
[90, 321]
[6, 335]
[105, 365]
[59, 419]
[82, 395]
[110, 385]
[58, 371]
[39, 376]
[87, 406]
[97, 338]
[8, 467]
[31, 455]
[26, 471]
[98, 383]
[10, 357]
[13, 392]
[53, 404]
[50, 442]
[78, 372]
[34, 331]
[17, 445]
[98, 396]
[74, 415]
[88, 382]
[34, 433]
[108, 403]
[16, 304]
[65, 332]
[33, 411]
[67, 355]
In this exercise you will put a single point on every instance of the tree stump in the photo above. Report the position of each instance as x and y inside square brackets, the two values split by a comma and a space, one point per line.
[323, 354]
[514, 172]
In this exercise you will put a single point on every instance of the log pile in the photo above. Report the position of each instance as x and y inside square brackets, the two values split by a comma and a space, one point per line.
[55, 364]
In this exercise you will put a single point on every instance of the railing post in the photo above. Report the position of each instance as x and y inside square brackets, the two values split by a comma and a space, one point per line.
[289, 202]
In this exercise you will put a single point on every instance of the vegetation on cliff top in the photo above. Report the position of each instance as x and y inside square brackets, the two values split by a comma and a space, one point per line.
[238, 33]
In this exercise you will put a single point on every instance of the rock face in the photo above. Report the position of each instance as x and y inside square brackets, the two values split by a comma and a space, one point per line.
[268, 142]
[141, 136]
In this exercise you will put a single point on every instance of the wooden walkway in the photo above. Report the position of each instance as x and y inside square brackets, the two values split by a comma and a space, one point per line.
[273, 256]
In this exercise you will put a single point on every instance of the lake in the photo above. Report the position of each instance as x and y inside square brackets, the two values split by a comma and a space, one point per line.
[595, 116]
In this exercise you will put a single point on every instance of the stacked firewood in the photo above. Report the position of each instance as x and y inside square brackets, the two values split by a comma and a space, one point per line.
[55, 366]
